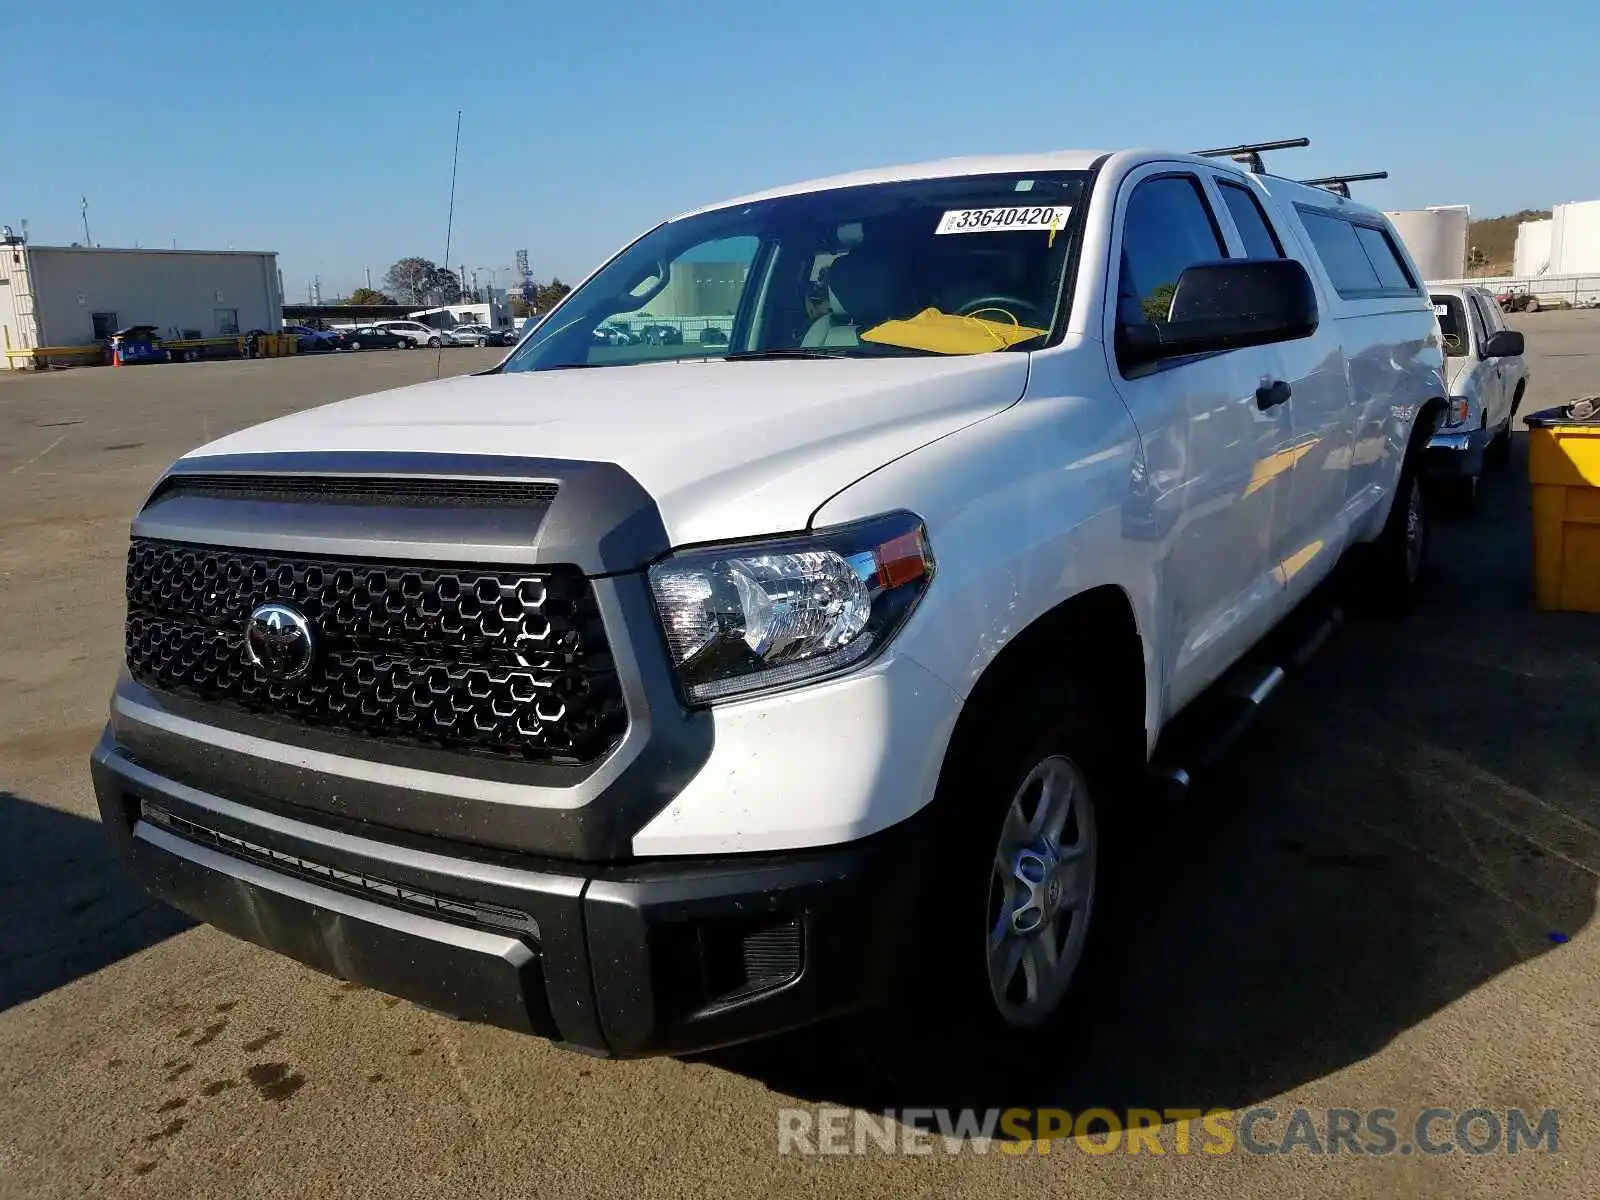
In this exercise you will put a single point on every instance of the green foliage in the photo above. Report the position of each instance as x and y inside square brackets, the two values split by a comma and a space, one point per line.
[1159, 302]
[422, 282]
[366, 295]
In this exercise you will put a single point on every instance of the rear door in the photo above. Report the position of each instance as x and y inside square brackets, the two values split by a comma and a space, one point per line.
[1209, 447]
[1313, 454]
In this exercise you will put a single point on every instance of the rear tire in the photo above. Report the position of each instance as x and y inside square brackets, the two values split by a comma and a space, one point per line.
[1389, 570]
[355, 345]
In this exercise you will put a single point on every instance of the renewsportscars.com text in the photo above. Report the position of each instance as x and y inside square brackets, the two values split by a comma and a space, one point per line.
[1262, 1130]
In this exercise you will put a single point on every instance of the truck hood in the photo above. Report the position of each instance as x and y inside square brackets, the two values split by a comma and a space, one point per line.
[726, 449]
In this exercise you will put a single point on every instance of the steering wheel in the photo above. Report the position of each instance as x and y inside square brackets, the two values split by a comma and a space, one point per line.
[1007, 304]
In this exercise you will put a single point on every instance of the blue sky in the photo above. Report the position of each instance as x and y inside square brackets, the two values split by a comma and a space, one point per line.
[323, 131]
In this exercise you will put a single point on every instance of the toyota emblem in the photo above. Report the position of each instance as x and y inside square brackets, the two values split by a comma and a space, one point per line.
[278, 640]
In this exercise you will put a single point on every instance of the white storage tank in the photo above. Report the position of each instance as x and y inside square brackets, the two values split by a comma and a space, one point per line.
[1436, 238]
[1532, 253]
[1575, 238]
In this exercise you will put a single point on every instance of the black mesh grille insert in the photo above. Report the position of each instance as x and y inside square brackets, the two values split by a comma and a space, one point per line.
[357, 490]
[504, 662]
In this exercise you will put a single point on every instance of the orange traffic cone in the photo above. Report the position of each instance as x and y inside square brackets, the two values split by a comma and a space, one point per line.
[116, 356]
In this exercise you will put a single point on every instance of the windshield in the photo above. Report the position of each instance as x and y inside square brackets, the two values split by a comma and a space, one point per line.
[1453, 324]
[965, 265]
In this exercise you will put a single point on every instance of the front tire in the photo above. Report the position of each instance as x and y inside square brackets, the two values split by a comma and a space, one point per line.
[434, 343]
[1015, 896]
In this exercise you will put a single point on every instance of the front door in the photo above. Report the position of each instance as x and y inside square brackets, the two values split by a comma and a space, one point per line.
[1492, 390]
[1210, 447]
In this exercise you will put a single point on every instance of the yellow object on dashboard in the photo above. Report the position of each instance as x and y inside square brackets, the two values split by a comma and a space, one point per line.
[946, 333]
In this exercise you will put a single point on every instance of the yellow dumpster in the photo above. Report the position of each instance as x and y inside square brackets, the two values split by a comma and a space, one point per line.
[289, 343]
[1564, 469]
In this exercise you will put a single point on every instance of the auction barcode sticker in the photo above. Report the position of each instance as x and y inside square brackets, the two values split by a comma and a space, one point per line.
[993, 220]
[1442, 310]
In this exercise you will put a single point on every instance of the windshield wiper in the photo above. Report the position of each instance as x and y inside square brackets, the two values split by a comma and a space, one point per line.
[781, 352]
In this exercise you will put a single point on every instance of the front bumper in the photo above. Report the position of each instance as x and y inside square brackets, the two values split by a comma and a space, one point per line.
[1456, 453]
[649, 957]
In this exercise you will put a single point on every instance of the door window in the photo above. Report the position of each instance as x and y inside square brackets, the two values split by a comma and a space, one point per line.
[1167, 228]
[1385, 259]
[1492, 320]
[1260, 241]
[1480, 329]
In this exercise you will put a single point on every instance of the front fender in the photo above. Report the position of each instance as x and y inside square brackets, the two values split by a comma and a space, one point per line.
[1024, 509]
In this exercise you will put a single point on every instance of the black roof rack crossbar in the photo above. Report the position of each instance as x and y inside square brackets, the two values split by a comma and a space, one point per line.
[1249, 153]
[1340, 184]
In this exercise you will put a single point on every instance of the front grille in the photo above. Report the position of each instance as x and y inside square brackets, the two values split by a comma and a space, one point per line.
[379, 490]
[502, 662]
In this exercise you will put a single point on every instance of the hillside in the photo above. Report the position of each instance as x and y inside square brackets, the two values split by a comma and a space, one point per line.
[1496, 238]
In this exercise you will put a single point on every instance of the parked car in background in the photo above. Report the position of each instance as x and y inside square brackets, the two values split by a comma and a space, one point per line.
[375, 337]
[614, 335]
[482, 335]
[1486, 377]
[713, 335]
[415, 331]
[310, 340]
[661, 335]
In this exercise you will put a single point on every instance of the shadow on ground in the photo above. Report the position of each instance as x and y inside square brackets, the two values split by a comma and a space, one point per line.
[67, 908]
[1418, 812]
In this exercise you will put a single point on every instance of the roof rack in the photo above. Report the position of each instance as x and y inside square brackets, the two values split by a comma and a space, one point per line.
[1340, 184]
[1249, 153]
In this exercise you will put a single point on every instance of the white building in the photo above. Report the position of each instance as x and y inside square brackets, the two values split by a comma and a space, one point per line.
[1531, 255]
[1567, 243]
[1436, 238]
[77, 295]
[1575, 238]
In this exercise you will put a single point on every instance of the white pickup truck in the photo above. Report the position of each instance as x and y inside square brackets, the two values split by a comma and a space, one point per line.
[1487, 377]
[654, 697]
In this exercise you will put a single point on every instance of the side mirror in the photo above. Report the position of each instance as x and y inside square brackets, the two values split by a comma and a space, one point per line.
[1226, 306]
[1503, 343]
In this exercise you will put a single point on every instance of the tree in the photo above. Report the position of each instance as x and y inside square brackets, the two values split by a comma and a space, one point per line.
[409, 279]
[421, 281]
[547, 295]
[366, 295]
[1159, 302]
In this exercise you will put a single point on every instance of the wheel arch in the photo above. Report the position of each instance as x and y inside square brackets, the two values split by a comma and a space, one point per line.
[1091, 641]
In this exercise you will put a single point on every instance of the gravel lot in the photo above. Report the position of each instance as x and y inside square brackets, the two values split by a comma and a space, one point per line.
[1385, 899]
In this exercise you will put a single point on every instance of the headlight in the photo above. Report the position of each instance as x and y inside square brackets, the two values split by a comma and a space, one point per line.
[768, 614]
[1457, 411]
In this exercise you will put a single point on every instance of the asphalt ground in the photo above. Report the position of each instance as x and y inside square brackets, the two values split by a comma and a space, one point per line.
[1384, 899]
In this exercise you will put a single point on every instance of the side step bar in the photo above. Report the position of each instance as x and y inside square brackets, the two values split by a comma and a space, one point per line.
[1204, 733]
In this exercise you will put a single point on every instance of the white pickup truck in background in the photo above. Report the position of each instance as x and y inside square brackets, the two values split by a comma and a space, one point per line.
[1487, 377]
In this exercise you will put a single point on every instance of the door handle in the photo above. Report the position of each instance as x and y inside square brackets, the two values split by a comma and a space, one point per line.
[1271, 394]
